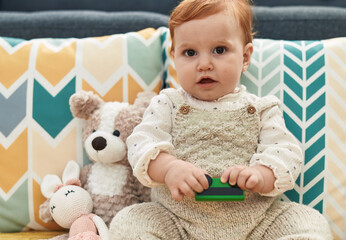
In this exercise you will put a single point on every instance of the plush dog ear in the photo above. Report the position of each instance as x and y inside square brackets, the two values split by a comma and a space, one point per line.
[143, 100]
[44, 212]
[83, 103]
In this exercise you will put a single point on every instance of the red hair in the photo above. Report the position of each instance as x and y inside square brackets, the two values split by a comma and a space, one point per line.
[188, 10]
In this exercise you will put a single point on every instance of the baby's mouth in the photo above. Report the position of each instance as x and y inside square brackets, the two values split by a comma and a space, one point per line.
[206, 81]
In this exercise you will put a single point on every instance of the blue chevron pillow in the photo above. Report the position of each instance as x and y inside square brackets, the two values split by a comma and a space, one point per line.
[309, 78]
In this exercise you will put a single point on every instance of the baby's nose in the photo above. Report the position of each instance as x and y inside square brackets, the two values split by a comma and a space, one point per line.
[205, 64]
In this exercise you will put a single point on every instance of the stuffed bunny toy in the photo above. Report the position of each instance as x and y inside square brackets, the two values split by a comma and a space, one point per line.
[109, 179]
[70, 205]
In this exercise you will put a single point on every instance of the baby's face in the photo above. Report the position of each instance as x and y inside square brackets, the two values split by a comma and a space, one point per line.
[209, 55]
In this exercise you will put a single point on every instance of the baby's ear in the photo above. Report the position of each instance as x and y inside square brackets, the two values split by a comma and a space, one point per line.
[83, 103]
[248, 50]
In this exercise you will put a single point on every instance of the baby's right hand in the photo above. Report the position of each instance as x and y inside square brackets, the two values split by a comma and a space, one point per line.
[184, 179]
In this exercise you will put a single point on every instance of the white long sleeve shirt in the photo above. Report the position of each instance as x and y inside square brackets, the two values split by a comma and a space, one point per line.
[277, 149]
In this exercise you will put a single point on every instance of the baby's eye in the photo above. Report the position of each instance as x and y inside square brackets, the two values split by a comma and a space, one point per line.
[190, 53]
[52, 208]
[68, 192]
[219, 50]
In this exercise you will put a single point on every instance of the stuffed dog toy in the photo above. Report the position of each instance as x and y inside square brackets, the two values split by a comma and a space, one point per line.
[109, 179]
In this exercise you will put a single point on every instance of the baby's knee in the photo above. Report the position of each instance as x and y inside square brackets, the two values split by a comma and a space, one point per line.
[306, 221]
[145, 219]
[122, 217]
[311, 216]
[289, 221]
[123, 222]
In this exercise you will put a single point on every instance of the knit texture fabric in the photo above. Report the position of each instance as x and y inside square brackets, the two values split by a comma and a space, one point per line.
[214, 140]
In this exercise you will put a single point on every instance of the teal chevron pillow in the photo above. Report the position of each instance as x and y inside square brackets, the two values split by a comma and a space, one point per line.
[309, 78]
[38, 134]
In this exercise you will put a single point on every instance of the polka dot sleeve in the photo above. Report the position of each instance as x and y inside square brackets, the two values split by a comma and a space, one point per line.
[151, 137]
[279, 150]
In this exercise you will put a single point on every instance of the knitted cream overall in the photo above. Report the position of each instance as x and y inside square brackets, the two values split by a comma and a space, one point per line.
[211, 140]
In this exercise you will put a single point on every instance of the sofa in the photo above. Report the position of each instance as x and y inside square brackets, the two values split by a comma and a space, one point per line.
[49, 52]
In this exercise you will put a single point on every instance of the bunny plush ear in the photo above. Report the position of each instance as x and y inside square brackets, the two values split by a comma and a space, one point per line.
[83, 103]
[71, 171]
[49, 184]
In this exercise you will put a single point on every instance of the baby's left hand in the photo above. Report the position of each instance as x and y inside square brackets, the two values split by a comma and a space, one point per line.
[258, 179]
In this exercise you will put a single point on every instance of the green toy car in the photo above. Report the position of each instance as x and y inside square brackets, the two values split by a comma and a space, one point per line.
[219, 191]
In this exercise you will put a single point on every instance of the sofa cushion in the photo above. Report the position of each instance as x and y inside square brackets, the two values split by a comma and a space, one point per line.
[299, 22]
[309, 78]
[78, 23]
[290, 23]
[163, 7]
[327, 3]
[38, 134]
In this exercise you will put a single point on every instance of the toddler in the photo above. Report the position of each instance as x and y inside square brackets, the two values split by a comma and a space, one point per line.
[212, 126]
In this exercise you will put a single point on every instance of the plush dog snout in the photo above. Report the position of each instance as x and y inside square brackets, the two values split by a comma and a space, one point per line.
[99, 143]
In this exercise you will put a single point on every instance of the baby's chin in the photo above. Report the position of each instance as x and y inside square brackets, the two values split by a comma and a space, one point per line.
[211, 97]
[206, 98]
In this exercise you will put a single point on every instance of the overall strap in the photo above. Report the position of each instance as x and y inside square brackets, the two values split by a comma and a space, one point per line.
[174, 96]
[267, 102]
